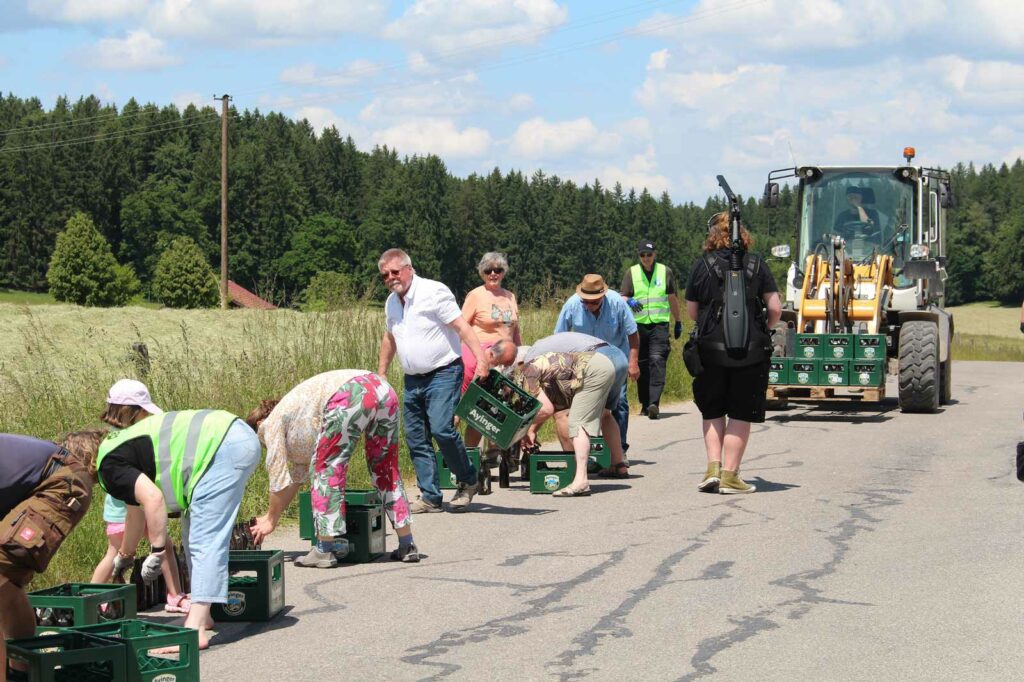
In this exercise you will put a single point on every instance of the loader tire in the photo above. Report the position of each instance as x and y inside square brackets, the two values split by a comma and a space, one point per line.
[920, 377]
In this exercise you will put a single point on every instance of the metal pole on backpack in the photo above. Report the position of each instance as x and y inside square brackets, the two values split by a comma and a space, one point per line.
[734, 308]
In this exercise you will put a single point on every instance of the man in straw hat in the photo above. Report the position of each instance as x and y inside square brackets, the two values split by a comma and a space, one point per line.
[596, 310]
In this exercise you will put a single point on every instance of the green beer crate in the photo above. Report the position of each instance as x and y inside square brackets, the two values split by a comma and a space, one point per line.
[778, 370]
[869, 347]
[501, 420]
[140, 637]
[867, 372]
[74, 604]
[834, 373]
[804, 372]
[253, 598]
[68, 657]
[364, 524]
[809, 346]
[600, 453]
[838, 347]
[447, 478]
[551, 471]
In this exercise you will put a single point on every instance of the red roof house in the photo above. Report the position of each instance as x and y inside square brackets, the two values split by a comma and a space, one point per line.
[241, 297]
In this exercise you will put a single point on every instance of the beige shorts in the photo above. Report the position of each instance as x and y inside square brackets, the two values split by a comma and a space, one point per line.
[588, 403]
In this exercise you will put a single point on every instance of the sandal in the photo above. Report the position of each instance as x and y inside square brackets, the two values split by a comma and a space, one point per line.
[179, 604]
[569, 491]
[620, 470]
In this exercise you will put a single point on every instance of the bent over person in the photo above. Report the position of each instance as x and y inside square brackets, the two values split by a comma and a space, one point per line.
[311, 433]
[196, 462]
[45, 490]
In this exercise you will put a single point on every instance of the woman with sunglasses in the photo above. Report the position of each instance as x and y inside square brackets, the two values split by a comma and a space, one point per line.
[492, 312]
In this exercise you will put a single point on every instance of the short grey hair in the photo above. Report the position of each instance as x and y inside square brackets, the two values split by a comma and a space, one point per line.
[492, 258]
[394, 254]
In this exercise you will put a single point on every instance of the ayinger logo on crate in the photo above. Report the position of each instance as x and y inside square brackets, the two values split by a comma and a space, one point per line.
[236, 603]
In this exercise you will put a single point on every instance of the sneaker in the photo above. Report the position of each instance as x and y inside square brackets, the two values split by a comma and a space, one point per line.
[421, 506]
[317, 559]
[643, 411]
[463, 496]
[409, 554]
[653, 411]
[711, 478]
[731, 483]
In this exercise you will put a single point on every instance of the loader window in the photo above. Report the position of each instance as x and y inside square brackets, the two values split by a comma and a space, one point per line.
[869, 208]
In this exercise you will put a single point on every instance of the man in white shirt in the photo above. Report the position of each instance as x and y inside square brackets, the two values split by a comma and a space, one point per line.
[424, 326]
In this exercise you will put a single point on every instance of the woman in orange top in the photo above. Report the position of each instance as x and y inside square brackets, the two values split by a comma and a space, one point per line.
[493, 314]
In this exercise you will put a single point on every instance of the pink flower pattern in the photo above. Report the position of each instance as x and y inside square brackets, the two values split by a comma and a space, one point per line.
[365, 405]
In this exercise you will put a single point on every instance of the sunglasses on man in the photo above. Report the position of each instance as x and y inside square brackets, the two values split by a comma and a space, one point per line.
[388, 273]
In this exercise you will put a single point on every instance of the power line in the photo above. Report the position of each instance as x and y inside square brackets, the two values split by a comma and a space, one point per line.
[115, 135]
[76, 120]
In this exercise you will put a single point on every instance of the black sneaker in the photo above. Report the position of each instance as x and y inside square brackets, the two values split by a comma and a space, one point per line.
[653, 412]
[407, 553]
[643, 411]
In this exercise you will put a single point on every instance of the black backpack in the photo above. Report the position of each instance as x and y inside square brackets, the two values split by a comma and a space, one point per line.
[711, 338]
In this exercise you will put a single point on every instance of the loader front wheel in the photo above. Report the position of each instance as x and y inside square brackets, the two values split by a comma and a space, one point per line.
[920, 376]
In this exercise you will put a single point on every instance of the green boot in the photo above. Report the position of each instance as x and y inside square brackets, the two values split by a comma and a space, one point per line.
[732, 483]
[711, 478]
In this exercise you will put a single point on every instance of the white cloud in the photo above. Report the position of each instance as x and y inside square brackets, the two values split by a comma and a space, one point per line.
[266, 21]
[539, 139]
[519, 102]
[311, 74]
[434, 136]
[183, 99]
[457, 30]
[84, 11]
[137, 51]
[638, 172]
[658, 60]
[321, 118]
[104, 92]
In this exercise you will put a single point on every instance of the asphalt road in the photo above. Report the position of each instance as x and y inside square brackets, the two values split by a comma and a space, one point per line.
[879, 545]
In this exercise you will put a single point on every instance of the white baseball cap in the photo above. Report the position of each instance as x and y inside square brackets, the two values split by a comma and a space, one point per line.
[132, 392]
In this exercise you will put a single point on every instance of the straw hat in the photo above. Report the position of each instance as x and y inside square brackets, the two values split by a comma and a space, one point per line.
[592, 287]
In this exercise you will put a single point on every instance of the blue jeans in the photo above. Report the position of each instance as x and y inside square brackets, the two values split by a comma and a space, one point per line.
[618, 399]
[206, 526]
[428, 410]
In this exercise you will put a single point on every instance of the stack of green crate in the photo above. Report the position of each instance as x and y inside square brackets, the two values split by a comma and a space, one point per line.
[809, 346]
[364, 524]
[869, 347]
[68, 656]
[551, 471]
[141, 637]
[804, 372]
[778, 370]
[502, 420]
[838, 347]
[74, 604]
[257, 596]
[834, 373]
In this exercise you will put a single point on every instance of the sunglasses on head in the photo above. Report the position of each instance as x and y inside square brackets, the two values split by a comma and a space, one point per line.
[493, 271]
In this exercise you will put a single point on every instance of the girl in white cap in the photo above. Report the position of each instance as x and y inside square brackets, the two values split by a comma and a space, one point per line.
[128, 401]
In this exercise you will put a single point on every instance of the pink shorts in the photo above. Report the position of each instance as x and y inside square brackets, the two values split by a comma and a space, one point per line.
[469, 362]
[115, 529]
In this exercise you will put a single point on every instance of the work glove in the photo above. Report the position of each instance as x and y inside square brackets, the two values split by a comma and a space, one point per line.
[122, 564]
[151, 567]
[677, 331]
[635, 305]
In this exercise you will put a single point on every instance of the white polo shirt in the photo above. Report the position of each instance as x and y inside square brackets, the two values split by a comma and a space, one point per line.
[423, 336]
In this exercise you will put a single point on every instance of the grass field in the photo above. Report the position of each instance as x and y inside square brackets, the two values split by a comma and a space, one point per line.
[57, 361]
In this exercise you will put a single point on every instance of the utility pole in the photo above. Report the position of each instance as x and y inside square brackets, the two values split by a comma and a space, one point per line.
[224, 201]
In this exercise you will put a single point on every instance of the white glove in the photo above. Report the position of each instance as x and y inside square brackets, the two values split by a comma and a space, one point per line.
[151, 567]
[122, 564]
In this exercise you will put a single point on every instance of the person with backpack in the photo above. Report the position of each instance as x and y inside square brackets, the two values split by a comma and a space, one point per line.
[730, 387]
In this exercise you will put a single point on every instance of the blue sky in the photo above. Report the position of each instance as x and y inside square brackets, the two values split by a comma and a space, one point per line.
[659, 94]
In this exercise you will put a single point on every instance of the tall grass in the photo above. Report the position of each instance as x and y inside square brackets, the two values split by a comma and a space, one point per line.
[56, 363]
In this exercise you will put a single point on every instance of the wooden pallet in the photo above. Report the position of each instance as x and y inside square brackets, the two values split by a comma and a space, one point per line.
[819, 393]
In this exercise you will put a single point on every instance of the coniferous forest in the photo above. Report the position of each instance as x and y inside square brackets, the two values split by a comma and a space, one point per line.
[301, 203]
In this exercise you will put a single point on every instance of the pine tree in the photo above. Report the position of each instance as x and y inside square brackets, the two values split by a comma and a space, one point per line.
[83, 269]
[183, 278]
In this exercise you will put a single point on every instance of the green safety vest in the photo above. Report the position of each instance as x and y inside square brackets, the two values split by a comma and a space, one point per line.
[652, 294]
[183, 443]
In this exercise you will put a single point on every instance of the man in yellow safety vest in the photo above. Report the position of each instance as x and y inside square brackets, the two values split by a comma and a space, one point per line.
[650, 290]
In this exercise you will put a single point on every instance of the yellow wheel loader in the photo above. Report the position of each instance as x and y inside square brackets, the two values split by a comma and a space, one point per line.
[864, 293]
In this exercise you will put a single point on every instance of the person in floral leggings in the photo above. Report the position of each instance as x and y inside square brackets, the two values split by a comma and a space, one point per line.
[326, 416]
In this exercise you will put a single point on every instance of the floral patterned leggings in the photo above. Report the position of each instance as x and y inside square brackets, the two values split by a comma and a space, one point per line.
[366, 404]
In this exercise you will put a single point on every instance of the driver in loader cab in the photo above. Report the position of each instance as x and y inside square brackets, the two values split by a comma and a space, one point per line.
[863, 219]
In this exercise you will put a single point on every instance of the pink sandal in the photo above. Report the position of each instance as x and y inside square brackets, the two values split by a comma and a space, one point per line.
[178, 604]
